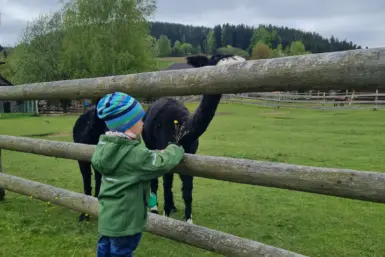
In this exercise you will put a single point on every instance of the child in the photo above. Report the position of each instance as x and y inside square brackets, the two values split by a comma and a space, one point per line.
[127, 167]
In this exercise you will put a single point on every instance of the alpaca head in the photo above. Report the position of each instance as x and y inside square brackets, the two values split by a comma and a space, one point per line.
[160, 127]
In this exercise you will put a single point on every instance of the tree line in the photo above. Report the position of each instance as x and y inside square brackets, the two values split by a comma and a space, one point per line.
[178, 40]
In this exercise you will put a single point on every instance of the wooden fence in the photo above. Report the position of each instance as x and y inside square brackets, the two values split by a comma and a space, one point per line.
[338, 70]
[312, 100]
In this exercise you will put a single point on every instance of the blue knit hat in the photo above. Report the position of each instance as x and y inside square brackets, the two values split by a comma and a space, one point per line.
[119, 111]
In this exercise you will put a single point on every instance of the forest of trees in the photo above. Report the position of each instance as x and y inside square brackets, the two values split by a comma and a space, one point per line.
[177, 39]
[89, 39]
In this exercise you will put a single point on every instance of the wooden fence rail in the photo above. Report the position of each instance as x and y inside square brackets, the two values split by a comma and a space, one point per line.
[353, 184]
[205, 238]
[353, 69]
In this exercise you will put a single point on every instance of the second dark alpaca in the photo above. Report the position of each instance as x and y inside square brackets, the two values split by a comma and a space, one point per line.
[159, 130]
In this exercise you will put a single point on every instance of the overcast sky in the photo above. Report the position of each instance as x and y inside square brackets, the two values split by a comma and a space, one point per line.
[355, 20]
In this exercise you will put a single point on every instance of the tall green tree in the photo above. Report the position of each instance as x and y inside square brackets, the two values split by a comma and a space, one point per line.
[6, 70]
[226, 35]
[218, 36]
[277, 52]
[198, 49]
[107, 37]
[37, 56]
[261, 51]
[211, 44]
[260, 35]
[187, 49]
[164, 46]
[296, 48]
[177, 49]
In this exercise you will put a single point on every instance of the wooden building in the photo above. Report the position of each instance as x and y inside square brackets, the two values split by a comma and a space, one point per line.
[7, 106]
[15, 106]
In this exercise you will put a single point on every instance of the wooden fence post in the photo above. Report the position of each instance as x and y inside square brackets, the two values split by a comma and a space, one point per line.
[36, 107]
[324, 101]
[375, 101]
[351, 98]
[2, 191]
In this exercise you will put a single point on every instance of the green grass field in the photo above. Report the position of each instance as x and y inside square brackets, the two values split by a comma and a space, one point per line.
[167, 61]
[309, 224]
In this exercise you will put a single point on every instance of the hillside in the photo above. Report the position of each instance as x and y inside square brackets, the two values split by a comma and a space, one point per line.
[240, 36]
[168, 40]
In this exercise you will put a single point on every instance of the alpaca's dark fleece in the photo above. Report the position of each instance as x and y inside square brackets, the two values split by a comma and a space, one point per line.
[159, 130]
[87, 130]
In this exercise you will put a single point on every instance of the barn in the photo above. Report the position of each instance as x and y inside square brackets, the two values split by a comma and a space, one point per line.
[15, 106]
[7, 106]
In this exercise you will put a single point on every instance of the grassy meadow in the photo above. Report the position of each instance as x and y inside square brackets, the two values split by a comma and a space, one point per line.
[165, 62]
[313, 225]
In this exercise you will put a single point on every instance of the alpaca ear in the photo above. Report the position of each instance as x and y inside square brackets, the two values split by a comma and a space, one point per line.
[197, 61]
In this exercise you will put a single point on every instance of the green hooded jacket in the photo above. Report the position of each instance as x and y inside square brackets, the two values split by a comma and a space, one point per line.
[127, 167]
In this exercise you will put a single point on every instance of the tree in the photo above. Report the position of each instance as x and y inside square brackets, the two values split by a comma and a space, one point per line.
[164, 46]
[154, 46]
[260, 35]
[187, 49]
[6, 70]
[278, 52]
[261, 51]
[226, 35]
[211, 44]
[296, 48]
[107, 37]
[218, 36]
[205, 46]
[198, 49]
[177, 50]
[37, 57]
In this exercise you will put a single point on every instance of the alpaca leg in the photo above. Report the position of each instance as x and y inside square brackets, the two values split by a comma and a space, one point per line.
[187, 188]
[154, 189]
[168, 195]
[85, 169]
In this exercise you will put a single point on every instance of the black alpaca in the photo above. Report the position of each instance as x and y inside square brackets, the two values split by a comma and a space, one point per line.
[87, 130]
[159, 129]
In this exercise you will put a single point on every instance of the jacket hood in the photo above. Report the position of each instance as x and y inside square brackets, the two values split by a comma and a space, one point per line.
[108, 153]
